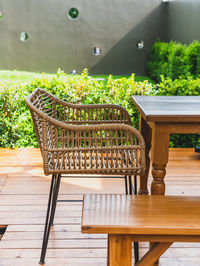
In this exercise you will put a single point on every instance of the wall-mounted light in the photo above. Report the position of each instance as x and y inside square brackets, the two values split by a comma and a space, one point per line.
[23, 36]
[73, 13]
[97, 50]
[140, 44]
[73, 72]
[166, 1]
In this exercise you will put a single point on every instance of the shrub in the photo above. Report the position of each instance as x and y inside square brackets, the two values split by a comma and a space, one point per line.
[177, 65]
[157, 64]
[16, 128]
[174, 60]
[16, 125]
[181, 86]
[193, 54]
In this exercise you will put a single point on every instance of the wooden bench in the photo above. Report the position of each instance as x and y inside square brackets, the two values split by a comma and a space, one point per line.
[126, 218]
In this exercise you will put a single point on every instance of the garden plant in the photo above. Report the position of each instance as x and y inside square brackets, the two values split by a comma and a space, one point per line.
[174, 66]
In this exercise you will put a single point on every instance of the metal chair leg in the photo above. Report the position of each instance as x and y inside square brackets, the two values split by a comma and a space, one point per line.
[136, 251]
[126, 185]
[130, 186]
[47, 223]
[131, 189]
[51, 208]
[135, 185]
[55, 197]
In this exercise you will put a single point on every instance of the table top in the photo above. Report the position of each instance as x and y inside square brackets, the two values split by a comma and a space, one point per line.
[128, 214]
[168, 108]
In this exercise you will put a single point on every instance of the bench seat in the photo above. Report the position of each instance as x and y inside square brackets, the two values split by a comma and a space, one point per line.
[127, 218]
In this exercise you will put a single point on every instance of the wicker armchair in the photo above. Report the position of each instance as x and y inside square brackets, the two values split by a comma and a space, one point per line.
[83, 139]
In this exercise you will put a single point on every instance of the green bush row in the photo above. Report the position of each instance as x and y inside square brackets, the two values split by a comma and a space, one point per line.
[16, 128]
[174, 60]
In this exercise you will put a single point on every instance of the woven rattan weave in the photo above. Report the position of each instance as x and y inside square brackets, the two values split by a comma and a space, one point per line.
[84, 139]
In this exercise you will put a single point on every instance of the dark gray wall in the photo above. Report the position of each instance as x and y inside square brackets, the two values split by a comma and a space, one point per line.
[56, 41]
[184, 20]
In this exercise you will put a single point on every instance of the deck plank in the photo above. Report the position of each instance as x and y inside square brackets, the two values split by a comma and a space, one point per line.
[23, 198]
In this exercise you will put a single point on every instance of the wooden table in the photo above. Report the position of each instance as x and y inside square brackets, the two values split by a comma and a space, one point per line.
[161, 116]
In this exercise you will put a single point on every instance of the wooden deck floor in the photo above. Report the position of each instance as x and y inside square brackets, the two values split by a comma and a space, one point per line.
[23, 199]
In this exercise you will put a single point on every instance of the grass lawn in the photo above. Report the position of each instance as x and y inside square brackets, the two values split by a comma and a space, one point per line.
[28, 76]
[21, 75]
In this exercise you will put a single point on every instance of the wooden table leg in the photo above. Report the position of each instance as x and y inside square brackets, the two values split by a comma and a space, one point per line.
[119, 250]
[108, 245]
[160, 152]
[146, 133]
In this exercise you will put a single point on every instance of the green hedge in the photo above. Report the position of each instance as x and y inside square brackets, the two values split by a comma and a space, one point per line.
[16, 128]
[174, 60]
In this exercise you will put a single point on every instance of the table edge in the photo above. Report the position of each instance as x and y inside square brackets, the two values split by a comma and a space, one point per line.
[164, 118]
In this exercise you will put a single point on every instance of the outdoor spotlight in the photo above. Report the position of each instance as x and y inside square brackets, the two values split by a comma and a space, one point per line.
[24, 36]
[73, 12]
[97, 50]
[140, 44]
[1, 15]
[73, 72]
